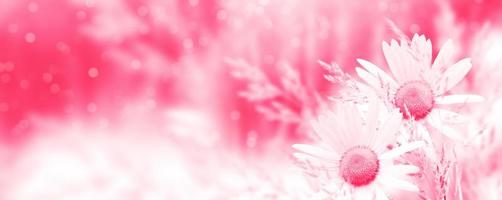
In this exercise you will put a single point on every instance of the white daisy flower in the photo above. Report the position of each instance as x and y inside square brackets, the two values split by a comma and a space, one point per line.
[355, 152]
[417, 88]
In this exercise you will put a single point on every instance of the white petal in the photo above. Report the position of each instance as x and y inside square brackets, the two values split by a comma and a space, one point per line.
[411, 66]
[353, 124]
[369, 92]
[428, 148]
[398, 183]
[444, 57]
[337, 129]
[372, 121]
[422, 48]
[323, 134]
[393, 59]
[301, 156]
[388, 131]
[459, 99]
[369, 78]
[399, 170]
[405, 148]
[316, 151]
[341, 130]
[337, 126]
[328, 136]
[415, 38]
[364, 193]
[403, 65]
[380, 194]
[453, 75]
[353, 116]
[312, 164]
[377, 72]
[449, 116]
[434, 119]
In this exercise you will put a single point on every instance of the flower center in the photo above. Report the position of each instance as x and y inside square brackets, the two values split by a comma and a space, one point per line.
[414, 98]
[359, 166]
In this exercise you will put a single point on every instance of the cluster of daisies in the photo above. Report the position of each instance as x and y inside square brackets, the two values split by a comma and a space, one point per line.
[362, 146]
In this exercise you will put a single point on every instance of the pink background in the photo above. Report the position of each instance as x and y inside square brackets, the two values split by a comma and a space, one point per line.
[129, 99]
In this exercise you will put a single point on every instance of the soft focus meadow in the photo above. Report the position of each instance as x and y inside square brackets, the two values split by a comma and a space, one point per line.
[203, 99]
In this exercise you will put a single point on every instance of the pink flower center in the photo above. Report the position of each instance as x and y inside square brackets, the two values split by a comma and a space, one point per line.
[414, 98]
[359, 166]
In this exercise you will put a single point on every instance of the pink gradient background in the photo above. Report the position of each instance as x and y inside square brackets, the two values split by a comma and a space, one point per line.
[129, 99]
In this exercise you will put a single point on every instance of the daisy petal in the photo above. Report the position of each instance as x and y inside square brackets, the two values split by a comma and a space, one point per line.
[364, 193]
[422, 50]
[405, 148]
[326, 135]
[377, 72]
[337, 131]
[453, 75]
[458, 99]
[393, 60]
[401, 63]
[444, 57]
[380, 194]
[406, 65]
[428, 148]
[369, 78]
[316, 151]
[451, 117]
[402, 169]
[354, 124]
[434, 119]
[312, 164]
[387, 133]
[372, 121]
[398, 183]
[301, 156]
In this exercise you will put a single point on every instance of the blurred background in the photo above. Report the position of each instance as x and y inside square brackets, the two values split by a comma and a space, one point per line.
[202, 99]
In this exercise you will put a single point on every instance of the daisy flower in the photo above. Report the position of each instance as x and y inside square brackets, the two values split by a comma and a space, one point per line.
[417, 88]
[354, 151]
